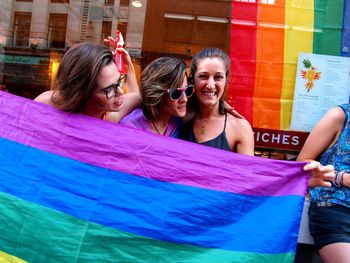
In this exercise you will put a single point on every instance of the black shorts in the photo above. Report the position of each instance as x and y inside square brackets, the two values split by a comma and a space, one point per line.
[329, 224]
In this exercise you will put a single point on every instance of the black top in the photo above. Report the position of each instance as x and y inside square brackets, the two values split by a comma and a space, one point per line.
[220, 141]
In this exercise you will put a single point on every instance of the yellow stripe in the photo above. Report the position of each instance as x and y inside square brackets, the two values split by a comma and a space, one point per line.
[6, 258]
[299, 23]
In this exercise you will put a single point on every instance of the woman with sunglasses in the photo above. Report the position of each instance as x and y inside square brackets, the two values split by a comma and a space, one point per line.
[211, 124]
[164, 92]
[88, 82]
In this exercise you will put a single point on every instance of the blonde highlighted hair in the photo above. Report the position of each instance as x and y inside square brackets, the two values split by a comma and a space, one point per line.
[159, 76]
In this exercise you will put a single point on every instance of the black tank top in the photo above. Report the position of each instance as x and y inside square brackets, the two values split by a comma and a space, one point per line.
[219, 141]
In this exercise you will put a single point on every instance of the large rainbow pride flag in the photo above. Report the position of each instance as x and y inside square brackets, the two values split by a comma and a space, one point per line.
[79, 189]
[266, 39]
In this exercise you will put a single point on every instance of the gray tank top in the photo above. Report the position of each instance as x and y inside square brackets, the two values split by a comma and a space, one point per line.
[219, 141]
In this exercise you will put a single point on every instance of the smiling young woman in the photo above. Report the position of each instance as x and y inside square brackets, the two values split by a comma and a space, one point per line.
[88, 82]
[164, 93]
[211, 124]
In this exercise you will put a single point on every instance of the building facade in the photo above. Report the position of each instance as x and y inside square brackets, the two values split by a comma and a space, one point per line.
[35, 33]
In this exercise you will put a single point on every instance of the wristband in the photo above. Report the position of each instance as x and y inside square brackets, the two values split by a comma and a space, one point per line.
[345, 180]
[339, 179]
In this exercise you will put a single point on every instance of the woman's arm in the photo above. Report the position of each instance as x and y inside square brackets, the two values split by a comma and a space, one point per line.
[232, 111]
[131, 82]
[322, 136]
[245, 137]
[132, 99]
[346, 179]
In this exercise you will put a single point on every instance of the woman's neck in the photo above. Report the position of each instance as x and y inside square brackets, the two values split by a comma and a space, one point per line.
[161, 124]
[207, 112]
[93, 113]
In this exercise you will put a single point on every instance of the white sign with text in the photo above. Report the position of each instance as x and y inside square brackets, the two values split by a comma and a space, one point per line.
[322, 82]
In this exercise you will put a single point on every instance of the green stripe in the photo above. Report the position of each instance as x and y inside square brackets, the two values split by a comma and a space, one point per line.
[329, 21]
[38, 234]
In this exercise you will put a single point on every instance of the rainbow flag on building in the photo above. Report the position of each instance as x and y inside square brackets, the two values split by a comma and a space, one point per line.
[79, 189]
[266, 38]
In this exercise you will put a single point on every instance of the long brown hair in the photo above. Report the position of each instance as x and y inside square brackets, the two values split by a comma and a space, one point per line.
[77, 75]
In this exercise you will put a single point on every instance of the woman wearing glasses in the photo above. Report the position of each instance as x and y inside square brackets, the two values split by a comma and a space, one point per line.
[88, 82]
[164, 93]
[211, 125]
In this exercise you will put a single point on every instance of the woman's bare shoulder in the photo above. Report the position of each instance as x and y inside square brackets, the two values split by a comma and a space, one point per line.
[45, 97]
[240, 135]
[239, 123]
[336, 114]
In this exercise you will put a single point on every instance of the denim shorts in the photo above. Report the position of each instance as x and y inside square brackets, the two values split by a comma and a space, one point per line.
[329, 224]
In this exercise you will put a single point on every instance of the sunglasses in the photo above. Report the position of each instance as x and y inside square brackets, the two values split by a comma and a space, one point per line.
[111, 91]
[176, 94]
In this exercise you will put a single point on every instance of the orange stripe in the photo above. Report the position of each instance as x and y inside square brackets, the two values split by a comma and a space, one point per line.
[269, 65]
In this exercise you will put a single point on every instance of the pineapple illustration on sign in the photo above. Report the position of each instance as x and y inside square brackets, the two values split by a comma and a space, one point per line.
[310, 74]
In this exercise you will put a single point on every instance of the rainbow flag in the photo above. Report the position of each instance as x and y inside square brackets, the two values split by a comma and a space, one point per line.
[266, 38]
[79, 189]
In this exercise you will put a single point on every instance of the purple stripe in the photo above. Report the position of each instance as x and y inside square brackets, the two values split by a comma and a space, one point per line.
[181, 162]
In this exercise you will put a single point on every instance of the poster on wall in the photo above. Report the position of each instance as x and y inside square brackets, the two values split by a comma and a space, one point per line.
[322, 82]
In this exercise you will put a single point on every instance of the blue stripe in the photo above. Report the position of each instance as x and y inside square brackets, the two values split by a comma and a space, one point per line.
[345, 38]
[160, 210]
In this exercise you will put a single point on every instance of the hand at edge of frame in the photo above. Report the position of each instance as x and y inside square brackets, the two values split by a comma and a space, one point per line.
[231, 110]
[320, 175]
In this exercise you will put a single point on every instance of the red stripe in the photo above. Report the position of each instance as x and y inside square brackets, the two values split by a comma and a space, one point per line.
[243, 57]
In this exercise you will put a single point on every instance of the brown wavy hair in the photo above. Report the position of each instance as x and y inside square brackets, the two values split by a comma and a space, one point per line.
[159, 76]
[77, 75]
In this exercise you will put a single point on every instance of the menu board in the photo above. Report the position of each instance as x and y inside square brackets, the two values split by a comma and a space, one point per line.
[322, 82]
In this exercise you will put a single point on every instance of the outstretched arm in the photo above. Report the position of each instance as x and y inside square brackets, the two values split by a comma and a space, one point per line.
[132, 98]
[131, 82]
[322, 137]
[132, 85]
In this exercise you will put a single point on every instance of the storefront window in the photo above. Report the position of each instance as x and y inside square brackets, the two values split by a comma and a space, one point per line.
[57, 30]
[106, 30]
[109, 2]
[125, 2]
[21, 29]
